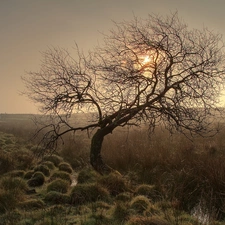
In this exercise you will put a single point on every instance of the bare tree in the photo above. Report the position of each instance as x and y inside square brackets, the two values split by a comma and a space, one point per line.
[156, 71]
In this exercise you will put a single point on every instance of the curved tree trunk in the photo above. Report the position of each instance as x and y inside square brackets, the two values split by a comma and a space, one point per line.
[95, 152]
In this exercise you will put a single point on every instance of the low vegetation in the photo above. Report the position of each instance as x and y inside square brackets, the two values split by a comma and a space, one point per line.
[169, 182]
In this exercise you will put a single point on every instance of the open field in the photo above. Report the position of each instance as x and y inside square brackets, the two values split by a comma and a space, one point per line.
[163, 179]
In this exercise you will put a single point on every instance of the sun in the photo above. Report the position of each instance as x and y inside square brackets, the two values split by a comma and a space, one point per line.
[146, 60]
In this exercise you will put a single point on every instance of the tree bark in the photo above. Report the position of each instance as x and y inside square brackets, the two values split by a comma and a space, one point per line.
[95, 152]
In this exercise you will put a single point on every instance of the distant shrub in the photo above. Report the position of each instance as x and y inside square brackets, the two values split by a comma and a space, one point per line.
[61, 175]
[37, 179]
[87, 176]
[58, 185]
[55, 197]
[83, 193]
[140, 203]
[65, 167]
[115, 183]
[54, 159]
[43, 168]
[31, 204]
[49, 164]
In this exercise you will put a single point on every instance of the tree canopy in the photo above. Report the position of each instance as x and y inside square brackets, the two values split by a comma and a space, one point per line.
[154, 71]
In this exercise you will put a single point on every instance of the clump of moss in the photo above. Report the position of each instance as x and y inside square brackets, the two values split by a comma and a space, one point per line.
[115, 183]
[55, 159]
[58, 185]
[55, 197]
[37, 179]
[42, 168]
[87, 176]
[61, 175]
[83, 193]
[65, 167]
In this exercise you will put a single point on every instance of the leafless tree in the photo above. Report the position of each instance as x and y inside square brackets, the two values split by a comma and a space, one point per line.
[154, 71]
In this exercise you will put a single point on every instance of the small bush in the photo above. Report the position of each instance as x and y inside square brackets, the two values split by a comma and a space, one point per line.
[114, 183]
[31, 204]
[59, 186]
[61, 175]
[83, 193]
[65, 167]
[42, 168]
[55, 159]
[54, 197]
[87, 176]
[140, 203]
[37, 179]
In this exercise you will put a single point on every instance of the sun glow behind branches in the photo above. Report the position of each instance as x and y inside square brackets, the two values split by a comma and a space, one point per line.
[147, 59]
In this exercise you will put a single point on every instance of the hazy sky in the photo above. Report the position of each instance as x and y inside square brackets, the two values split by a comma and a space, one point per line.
[29, 27]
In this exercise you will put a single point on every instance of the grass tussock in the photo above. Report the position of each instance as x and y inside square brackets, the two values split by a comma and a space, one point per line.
[58, 185]
[85, 193]
[166, 179]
